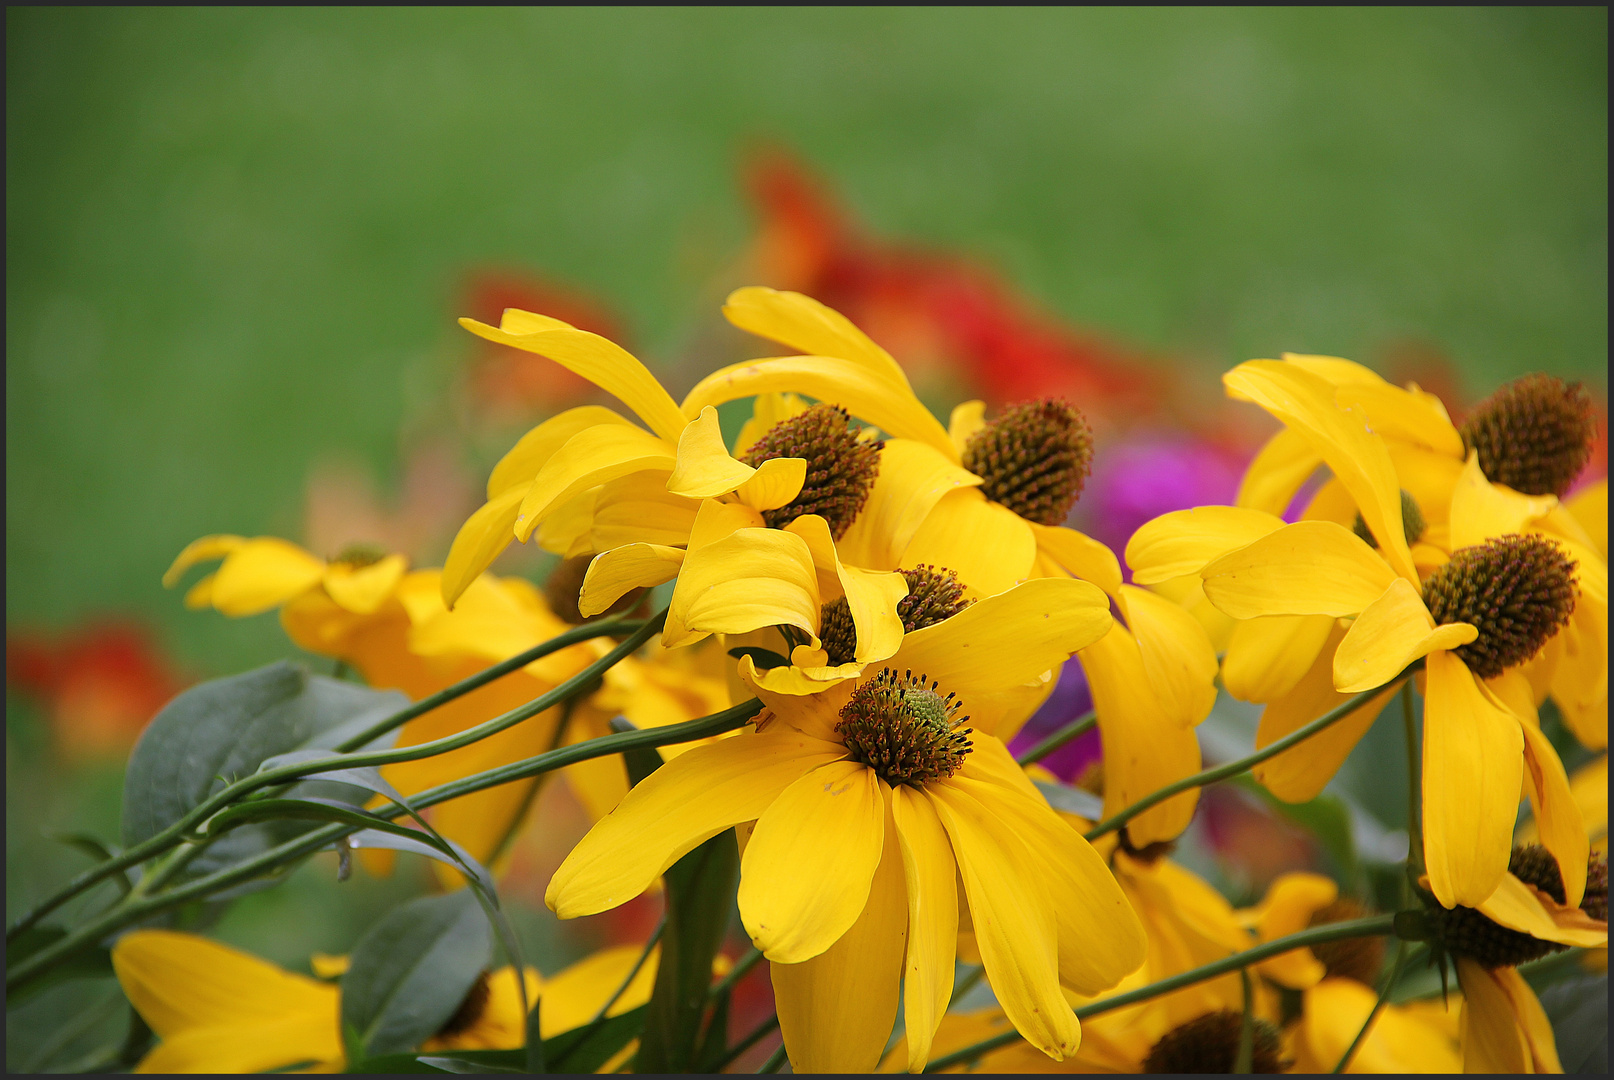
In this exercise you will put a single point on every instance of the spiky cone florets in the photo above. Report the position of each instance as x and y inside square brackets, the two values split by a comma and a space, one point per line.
[904, 729]
[1210, 1044]
[1517, 590]
[933, 595]
[1034, 459]
[841, 468]
[1464, 931]
[1412, 522]
[1352, 958]
[1534, 434]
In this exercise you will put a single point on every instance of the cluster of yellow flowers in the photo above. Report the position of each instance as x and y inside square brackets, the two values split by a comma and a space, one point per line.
[901, 595]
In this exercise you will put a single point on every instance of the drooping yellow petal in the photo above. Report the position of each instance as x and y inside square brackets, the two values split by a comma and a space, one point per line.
[635, 509]
[1429, 478]
[1481, 509]
[1177, 654]
[681, 805]
[208, 547]
[776, 483]
[200, 595]
[264, 1045]
[802, 323]
[1143, 751]
[1558, 819]
[1305, 403]
[485, 534]
[846, 383]
[1528, 910]
[1184, 541]
[1287, 909]
[1276, 473]
[1299, 774]
[1401, 1040]
[363, 589]
[1308, 568]
[990, 546]
[930, 874]
[1473, 767]
[837, 1009]
[518, 466]
[1013, 919]
[1590, 508]
[592, 456]
[602, 362]
[614, 573]
[967, 418]
[705, 469]
[575, 995]
[767, 411]
[1079, 555]
[1503, 1028]
[872, 596]
[1391, 633]
[1267, 657]
[749, 579]
[806, 873]
[1003, 642]
[1335, 370]
[1410, 416]
[913, 477]
[263, 573]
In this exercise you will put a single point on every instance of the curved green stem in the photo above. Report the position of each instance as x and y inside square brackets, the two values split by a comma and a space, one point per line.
[1414, 783]
[1384, 996]
[161, 842]
[135, 909]
[1369, 927]
[1073, 730]
[1245, 1057]
[1243, 764]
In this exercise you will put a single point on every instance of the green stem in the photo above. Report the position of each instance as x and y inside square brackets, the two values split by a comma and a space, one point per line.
[736, 973]
[1073, 730]
[1244, 764]
[1414, 782]
[967, 983]
[775, 1062]
[757, 1034]
[1245, 1057]
[1317, 935]
[1384, 996]
[162, 841]
[135, 909]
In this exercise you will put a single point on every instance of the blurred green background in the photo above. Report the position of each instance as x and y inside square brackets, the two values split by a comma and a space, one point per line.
[236, 239]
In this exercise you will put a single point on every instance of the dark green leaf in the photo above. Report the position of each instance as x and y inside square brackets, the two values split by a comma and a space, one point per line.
[537, 1061]
[641, 762]
[715, 1043]
[95, 849]
[699, 895]
[564, 1052]
[411, 972]
[1072, 800]
[1578, 1009]
[225, 729]
[93, 963]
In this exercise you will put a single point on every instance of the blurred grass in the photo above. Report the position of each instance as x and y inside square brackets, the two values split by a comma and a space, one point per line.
[234, 237]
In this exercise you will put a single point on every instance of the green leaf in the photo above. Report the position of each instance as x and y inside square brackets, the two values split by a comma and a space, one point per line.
[537, 1060]
[565, 1053]
[412, 970]
[699, 896]
[224, 730]
[93, 963]
[1072, 800]
[641, 762]
[95, 849]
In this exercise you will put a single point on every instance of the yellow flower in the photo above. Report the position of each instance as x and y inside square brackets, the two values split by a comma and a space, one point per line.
[1415, 1037]
[870, 802]
[266, 572]
[217, 1009]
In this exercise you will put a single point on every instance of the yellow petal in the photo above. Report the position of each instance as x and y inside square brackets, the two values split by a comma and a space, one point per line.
[262, 573]
[1184, 541]
[1410, 416]
[1287, 909]
[716, 520]
[1429, 478]
[575, 995]
[634, 509]
[1481, 509]
[1267, 657]
[614, 573]
[182, 982]
[568, 530]
[1400, 1040]
[1299, 774]
[806, 874]
[1177, 654]
[967, 418]
[872, 596]
[930, 873]
[1013, 919]
[1503, 1027]
[200, 595]
[485, 534]
[1335, 370]
[1528, 910]
[913, 477]
[776, 483]
[705, 469]
[1002, 642]
[837, 1009]
[1391, 633]
[1276, 473]
[518, 467]
[1305, 403]
[1473, 767]
[1308, 568]
[1590, 508]
[262, 1045]
[603, 363]
[1558, 819]
[989, 546]
[592, 456]
[681, 805]
[1079, 555]
[745, 581]
[767, 411]
[363, 589]
[208, 547]
[1143, 751]
[810, 327]
[846, 383]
